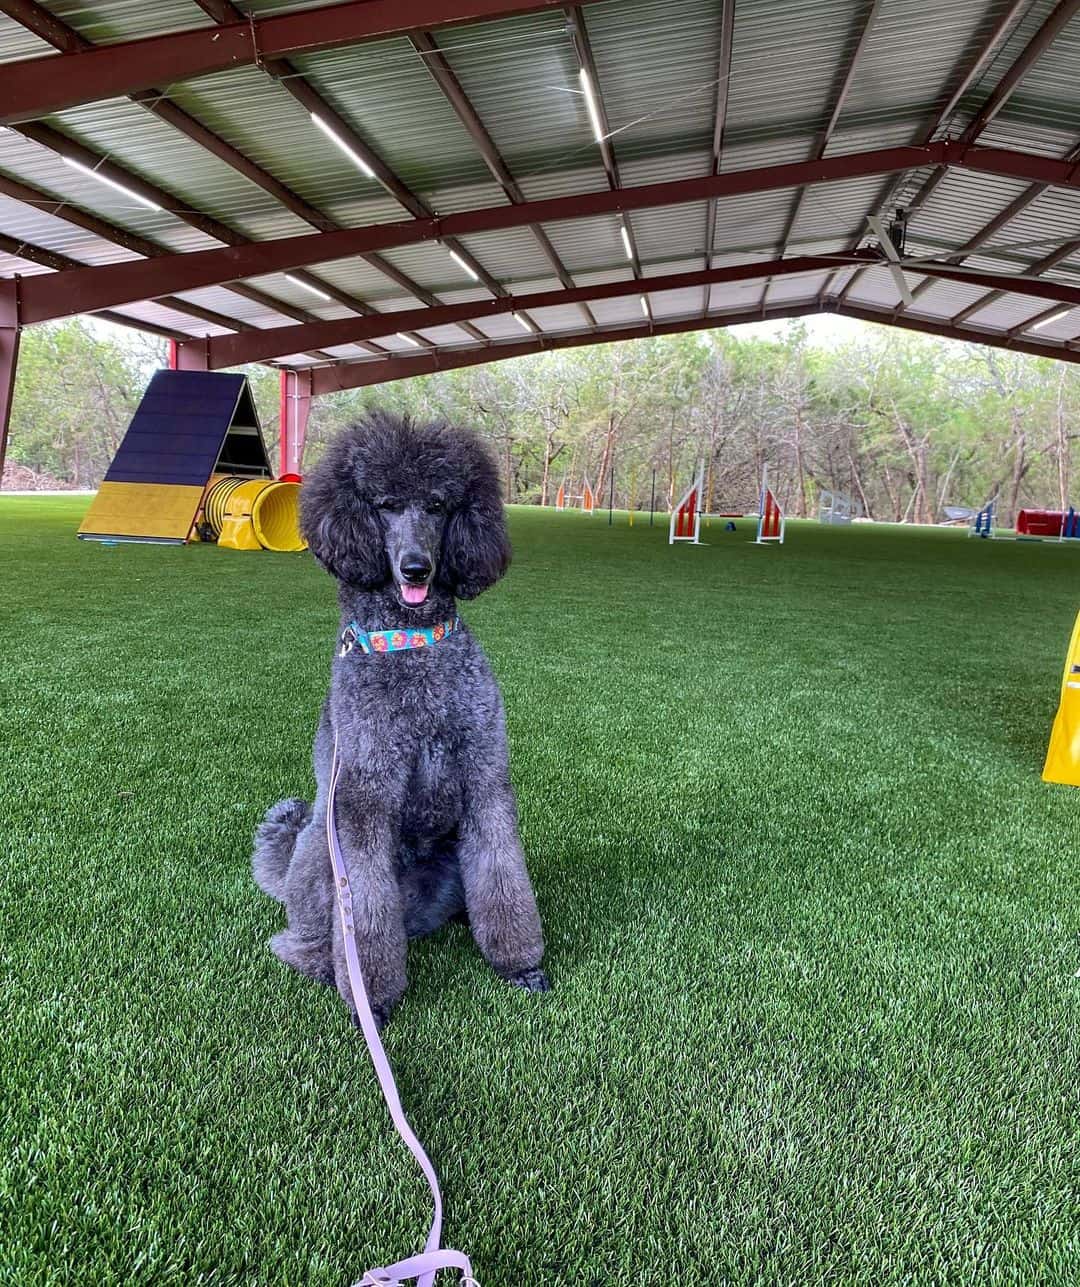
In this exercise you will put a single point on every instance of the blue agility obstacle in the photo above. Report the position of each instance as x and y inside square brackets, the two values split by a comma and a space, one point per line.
[984, 521]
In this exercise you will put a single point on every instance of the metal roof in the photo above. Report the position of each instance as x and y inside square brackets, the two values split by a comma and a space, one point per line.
[203, 114]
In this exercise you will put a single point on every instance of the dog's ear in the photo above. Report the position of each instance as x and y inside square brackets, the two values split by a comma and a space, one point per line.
[476, 547]
[339, 524]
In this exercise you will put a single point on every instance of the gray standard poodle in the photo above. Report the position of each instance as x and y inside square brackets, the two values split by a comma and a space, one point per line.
[408, 519]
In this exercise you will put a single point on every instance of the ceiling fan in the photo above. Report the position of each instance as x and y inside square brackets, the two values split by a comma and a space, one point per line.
[892, 242]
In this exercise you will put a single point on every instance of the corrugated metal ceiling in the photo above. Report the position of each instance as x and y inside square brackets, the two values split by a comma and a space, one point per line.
[658, 65]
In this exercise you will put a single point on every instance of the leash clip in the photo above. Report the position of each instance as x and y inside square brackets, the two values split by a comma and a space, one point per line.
[348, 643]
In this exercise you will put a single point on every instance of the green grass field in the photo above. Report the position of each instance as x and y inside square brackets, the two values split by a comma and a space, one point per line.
[812, 921]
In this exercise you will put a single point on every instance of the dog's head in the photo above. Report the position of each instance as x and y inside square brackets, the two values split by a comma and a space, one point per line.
[397, 504]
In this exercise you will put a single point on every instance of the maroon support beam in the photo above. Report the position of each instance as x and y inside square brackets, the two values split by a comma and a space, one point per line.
[988, 230]
[260, 346]
[58, 263]
[864, 26]
[296, 394]
[278, 342]
[947, 331]
[1005, 86]
[88, 289]
[579, 34]
[312, 101]
[9, 360]
[1055, 257]
[63, 145]
[298, 87]
[723, 84]
[355, 375]
[296, 84]
[1059, 18]
[438, 67]
[38, 86]
[337, 378]
[1019, 203]
[37, 19]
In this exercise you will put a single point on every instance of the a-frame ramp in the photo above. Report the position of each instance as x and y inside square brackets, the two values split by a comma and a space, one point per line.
[189, 426]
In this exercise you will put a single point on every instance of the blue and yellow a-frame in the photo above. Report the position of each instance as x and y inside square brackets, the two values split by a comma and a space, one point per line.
[190, 427]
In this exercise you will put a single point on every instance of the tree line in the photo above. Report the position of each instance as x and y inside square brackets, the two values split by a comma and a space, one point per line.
[907, 425]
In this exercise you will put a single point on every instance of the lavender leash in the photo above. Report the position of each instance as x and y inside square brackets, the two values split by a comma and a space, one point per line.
[422, 1267]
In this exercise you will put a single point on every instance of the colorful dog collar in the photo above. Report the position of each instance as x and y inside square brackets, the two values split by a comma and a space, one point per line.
[354, 636]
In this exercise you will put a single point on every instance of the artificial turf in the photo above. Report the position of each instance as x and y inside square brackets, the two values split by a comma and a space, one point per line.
[812, 921]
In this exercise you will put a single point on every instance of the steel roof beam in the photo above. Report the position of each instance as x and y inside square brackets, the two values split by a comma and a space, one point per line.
[438, 67]
[723, 85]
[1051, 260]
[965, 77]
[865, 27]
[46, 258]
[1060, 17]
[58, 33]
[311, 100]
[51, 259]
[1037, 319]
[59, 209]
[34, 87]
[85, 290]
[279, 341]
[67, 213]
[63, 146]
[579, 35]
[950, 331]
[262, 345]
[1018, 204]
[300, 88]
[342, 376]
[50, 28]
[353, 375]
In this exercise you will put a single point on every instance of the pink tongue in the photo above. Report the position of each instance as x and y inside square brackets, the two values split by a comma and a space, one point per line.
[414, 593]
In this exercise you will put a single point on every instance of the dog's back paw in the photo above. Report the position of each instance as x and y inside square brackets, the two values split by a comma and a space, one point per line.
[313, 958]
[531, 980]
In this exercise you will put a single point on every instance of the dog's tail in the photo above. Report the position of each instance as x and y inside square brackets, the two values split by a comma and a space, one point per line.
[275, 840]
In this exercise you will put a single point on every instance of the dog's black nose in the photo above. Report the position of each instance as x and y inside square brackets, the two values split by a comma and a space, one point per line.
[416, 568]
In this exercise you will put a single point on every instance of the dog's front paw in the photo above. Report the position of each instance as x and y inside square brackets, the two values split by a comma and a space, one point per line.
[531, 980]
[379, 1013]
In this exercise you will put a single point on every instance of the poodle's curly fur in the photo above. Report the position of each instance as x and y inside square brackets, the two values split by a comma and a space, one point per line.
[408, 518]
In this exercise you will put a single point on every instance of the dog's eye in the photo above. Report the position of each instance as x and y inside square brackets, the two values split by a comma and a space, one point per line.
[434, 507]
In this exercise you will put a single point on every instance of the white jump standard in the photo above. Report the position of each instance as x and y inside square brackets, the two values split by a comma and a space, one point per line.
[685, 522]
[771, 519]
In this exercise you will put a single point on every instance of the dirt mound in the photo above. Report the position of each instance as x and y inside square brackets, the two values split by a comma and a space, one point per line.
[18, 478]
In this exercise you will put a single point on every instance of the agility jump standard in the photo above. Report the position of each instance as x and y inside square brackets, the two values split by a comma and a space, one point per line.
[685, 522]
[771, 519]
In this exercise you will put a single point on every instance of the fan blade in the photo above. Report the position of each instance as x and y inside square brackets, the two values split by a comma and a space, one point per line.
[885, 242]
[901, 284]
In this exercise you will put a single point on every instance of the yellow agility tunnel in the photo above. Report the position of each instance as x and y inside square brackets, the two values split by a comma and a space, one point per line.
[253, 515]
[193, 466]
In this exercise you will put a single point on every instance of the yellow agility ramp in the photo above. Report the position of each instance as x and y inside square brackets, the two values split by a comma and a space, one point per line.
[1063, 755]
[142, 511]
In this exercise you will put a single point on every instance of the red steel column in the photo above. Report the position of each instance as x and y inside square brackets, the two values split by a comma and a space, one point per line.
[295, 409]
[9, 359]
